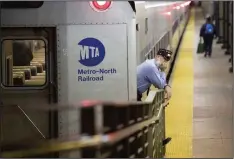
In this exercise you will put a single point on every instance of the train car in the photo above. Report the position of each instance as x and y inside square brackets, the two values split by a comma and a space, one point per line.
[81, 50]
[75, 37]
[159, 25]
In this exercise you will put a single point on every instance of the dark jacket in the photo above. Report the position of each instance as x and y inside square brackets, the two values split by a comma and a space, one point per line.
[203, 29]
[22, 54]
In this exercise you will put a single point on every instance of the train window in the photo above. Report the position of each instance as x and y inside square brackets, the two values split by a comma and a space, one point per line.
[163, 42]
[174, 27]
[181, 17]
[21, 4]
[168, 38]
[167, 42]
[137, 27]
[146, 57]
[160, 45]
[146, 25]
[23, 63]
[157, 48]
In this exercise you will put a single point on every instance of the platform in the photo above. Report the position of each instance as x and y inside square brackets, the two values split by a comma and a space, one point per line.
[212, 112]
[199, 118]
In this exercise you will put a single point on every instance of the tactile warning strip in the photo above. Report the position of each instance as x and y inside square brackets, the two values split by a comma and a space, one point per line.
[180, 110]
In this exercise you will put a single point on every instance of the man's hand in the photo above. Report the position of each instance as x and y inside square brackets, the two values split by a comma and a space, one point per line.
[168, 92]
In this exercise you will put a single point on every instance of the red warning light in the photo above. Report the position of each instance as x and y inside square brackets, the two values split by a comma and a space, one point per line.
[88, 103]
[100, 6]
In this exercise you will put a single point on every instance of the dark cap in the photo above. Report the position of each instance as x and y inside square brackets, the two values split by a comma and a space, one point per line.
[208, 17]
[166, 54]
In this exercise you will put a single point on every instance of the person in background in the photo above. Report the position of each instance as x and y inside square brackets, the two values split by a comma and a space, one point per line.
[208, 33]
[151, 72]
[22, 54]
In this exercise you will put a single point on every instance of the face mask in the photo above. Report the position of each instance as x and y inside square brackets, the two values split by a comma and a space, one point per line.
[163, 67]
[160, 65]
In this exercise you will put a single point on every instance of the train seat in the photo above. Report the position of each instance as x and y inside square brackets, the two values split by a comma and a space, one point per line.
[26, 71]
[42, 62]
[18, 79]
[39, 67]
[32, 68]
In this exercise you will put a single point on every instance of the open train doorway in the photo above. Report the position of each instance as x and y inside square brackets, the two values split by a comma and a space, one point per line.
[28, 79]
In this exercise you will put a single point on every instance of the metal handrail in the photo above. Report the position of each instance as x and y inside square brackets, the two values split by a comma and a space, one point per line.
[31, 121]
[51, 146]
[159, 39]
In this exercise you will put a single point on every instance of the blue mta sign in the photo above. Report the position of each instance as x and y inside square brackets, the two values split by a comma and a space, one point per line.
[91, 52]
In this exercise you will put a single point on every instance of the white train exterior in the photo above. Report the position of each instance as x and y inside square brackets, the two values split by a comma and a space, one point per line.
[89, 54]
[164, 19]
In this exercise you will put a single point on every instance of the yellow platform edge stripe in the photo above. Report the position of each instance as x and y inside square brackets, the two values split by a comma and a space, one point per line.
[179, 113]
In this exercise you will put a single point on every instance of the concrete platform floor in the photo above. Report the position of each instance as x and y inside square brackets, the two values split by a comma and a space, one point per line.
[212, 113]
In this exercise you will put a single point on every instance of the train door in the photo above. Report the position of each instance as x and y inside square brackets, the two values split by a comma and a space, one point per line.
[28, 79]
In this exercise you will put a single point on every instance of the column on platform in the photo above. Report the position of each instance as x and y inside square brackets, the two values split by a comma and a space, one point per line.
[224, 46]
[220, 14]
[230, 32]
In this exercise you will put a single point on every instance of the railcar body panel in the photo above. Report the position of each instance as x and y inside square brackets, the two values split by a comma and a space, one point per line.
[77, 29]
[84, 54]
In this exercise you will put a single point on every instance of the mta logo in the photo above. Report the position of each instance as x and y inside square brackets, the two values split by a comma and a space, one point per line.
[91, 52]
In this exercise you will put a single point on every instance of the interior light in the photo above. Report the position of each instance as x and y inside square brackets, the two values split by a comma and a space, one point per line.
[187, 3]
[101, 3]
[176, 7]
[158, 4]
[139, 2]
[100, 6]
[168, 13]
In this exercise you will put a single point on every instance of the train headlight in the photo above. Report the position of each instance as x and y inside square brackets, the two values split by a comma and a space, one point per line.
[100, 6]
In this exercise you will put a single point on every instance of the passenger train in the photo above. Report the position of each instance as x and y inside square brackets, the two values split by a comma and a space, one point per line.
[67, 40]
